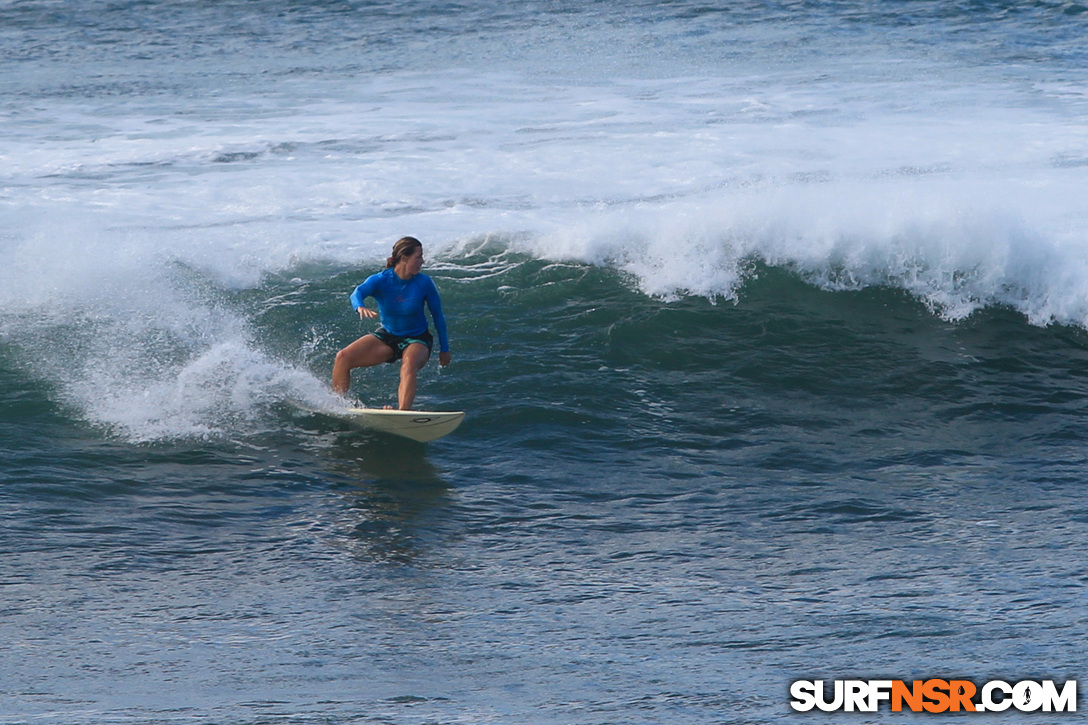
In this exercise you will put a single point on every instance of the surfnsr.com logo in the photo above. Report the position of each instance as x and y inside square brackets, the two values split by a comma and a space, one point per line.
[934, 696]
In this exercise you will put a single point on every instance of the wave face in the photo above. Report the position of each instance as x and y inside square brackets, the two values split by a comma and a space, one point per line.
[770, 319]
[648, 495]
[939, 152]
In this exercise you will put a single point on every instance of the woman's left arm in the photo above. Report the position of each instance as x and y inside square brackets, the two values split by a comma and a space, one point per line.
[434, 304]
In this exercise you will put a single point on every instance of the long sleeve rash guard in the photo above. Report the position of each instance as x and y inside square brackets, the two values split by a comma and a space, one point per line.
[400, 304]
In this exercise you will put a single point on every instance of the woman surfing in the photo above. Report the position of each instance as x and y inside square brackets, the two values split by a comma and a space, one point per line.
[401, 292]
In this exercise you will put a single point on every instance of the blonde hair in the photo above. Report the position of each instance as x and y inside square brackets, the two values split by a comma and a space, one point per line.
[405, 247]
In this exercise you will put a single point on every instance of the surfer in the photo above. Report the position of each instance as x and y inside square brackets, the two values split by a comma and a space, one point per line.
[401, 291]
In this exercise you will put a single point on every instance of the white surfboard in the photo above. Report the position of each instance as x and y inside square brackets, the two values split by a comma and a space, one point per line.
[419, 425]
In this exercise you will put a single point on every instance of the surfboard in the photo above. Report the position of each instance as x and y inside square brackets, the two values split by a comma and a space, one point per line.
[419, 425]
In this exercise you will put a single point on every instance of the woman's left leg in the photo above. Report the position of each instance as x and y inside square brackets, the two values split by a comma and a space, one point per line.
[412, 361]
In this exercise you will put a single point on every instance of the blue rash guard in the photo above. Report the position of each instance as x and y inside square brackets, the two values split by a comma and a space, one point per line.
[400, 304]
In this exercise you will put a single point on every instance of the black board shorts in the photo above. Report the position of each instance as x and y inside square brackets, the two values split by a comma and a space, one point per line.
[399, 343]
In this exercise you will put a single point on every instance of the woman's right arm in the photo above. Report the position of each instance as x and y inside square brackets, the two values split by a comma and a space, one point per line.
[366, 289]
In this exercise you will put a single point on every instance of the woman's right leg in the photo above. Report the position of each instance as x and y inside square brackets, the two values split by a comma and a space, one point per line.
[363, 353]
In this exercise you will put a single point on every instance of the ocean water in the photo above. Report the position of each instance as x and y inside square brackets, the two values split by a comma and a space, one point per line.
[770, 320]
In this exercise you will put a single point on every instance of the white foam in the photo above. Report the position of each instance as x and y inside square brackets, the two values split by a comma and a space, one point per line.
[226, 390]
